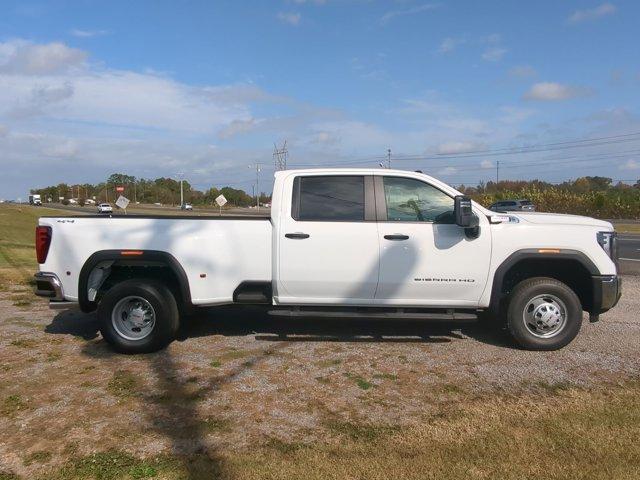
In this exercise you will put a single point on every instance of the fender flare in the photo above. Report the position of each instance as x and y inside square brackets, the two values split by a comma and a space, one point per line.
[142, 258]
[535, 254]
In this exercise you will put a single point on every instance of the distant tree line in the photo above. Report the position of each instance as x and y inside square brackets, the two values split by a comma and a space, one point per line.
[161, 190]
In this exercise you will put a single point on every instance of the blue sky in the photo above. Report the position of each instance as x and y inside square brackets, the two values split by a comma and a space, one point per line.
[155, 88]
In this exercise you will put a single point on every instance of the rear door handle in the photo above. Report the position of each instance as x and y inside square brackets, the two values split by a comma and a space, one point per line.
[297, 235]
[396, 236]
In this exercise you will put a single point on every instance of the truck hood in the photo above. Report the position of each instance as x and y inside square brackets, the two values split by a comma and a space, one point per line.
[561, 219]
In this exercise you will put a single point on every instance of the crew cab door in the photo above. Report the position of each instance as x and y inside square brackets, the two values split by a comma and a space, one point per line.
[425, 258]
[327, 241]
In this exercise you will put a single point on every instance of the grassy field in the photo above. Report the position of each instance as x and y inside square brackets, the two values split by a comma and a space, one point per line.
[17, 244]
[544, 431]
[627, 227]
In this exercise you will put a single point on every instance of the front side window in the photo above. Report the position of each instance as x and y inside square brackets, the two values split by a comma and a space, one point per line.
[330, 198]
[410, 200]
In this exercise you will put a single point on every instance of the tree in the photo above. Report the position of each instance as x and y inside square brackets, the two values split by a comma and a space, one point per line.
[120, 179]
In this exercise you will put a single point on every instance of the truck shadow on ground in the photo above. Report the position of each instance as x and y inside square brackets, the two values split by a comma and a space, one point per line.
[254, 321]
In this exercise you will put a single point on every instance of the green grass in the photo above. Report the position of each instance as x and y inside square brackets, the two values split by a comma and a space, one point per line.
[11, 405]
[123, 384]
[17, 243]
[627, 227]
[559, 434]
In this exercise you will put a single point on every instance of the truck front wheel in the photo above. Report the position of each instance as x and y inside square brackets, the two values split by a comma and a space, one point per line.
[543, 314]
[138, 316]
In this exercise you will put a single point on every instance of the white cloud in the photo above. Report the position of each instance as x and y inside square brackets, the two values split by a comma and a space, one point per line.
[447, 171]
[387, 17]
[20, 57]
[4, 131]
[522, 71]
[40, 99]
[76, 32]
[292, 18]
[552, 92]
[486, 164]
[237, 127]
[494, 54]
[511, 115]
[325, 138]
[449, 44]
[460, 147]
[66, 149]
[592, 14]
[494, 50]
[630, 165]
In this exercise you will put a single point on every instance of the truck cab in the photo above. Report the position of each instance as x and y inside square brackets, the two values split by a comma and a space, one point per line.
[339, 242]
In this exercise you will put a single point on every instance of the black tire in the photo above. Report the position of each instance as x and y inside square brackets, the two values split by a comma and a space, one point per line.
[520, 323]
[165, 310]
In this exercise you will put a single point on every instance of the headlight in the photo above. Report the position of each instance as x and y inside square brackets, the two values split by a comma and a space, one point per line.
[609, 243]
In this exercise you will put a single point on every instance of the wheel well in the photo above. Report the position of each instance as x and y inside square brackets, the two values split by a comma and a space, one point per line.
[157, 272]
[568, 271]
[111, 268]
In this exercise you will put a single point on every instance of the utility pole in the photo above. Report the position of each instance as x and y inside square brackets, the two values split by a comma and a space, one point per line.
[181, 175]
[257, 191]
[280, 156]
[497, 173]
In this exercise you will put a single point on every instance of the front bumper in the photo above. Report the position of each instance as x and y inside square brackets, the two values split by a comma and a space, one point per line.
[607, 290]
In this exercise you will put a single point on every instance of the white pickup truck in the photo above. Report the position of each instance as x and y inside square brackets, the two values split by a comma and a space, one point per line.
[366, 243]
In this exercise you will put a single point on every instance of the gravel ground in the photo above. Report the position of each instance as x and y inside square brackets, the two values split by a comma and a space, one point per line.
[237, 378]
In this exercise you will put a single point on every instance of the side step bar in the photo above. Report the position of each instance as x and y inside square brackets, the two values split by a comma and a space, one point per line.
[447, 315]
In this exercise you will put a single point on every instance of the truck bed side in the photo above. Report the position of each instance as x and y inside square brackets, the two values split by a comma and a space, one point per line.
[215, 254]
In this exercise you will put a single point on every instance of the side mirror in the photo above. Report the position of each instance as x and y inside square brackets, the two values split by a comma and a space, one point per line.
[464, 213]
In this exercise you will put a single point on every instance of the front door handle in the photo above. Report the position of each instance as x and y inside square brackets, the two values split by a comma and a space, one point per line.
[297, 235]
[396, 236]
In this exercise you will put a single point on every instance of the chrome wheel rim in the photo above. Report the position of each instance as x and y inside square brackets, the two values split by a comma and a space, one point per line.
[133, 318]
[545, 316]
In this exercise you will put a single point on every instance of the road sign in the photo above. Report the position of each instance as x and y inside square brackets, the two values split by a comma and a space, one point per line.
[122, 202]
[119, 189]
[221, 200]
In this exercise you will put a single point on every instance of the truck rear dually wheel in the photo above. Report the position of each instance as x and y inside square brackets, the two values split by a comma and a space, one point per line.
[543, 314]
[138, 316]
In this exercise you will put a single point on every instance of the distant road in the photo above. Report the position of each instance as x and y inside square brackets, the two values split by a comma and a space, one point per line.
[629, 253]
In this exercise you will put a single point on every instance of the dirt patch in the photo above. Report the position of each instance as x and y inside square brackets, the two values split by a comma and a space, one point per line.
[238, 381]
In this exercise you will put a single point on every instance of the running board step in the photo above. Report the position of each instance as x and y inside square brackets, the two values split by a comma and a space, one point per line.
[444, 316]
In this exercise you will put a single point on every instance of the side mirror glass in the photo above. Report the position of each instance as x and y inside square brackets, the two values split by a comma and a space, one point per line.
[465, 217]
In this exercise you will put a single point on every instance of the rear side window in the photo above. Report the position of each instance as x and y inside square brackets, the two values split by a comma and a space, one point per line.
[525, 202]
[329, 198]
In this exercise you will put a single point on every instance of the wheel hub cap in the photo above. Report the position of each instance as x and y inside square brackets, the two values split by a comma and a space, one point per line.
[133, 318]
[544, 315]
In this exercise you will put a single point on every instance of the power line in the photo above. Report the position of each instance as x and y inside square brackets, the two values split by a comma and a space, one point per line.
[535, 148]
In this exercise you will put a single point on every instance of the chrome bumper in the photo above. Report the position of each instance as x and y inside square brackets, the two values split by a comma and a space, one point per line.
[49, 285]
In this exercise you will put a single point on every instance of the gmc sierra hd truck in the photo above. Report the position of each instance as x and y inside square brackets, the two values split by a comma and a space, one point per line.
[368, 243]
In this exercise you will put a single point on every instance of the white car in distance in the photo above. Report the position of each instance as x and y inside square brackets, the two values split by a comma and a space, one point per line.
[105, 208]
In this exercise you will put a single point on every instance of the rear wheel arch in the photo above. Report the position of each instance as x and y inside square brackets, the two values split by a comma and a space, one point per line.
[155, 264]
